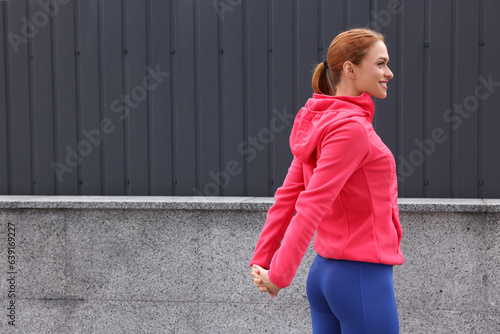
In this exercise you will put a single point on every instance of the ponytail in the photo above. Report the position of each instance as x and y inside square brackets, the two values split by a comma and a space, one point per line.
[320, 82]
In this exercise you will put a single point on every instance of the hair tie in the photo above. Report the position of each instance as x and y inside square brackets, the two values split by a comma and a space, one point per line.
[325, 64]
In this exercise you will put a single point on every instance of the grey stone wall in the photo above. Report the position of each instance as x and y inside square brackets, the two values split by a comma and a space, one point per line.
[180, 265]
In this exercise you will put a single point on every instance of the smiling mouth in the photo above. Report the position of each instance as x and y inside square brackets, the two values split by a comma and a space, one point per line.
[383, 83]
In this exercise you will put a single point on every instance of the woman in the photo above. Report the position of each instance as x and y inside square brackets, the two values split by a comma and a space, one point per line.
[342, 186]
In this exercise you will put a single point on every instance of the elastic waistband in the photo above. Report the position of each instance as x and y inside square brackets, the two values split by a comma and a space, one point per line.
[353, 264]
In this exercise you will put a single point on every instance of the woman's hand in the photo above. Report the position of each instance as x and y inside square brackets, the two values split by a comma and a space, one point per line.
[262, 281]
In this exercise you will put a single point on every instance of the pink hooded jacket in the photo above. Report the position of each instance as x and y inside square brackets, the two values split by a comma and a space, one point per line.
[341, 185]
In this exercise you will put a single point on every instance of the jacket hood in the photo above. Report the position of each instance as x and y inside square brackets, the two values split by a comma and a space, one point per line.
[319, 113]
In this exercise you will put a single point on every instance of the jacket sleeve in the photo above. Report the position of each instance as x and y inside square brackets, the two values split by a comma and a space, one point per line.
[279, 216]
[342, 151]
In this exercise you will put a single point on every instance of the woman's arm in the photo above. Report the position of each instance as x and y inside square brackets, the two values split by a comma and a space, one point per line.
[279, 216]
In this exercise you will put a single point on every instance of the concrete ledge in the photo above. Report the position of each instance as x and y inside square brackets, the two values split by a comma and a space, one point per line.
[222, 203]
[94, 264]
[448, 205]
[134, 202]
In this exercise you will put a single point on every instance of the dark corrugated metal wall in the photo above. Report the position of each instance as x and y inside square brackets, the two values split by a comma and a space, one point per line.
[186, 97]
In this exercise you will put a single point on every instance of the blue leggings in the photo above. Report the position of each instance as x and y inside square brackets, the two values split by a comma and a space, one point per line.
[351, 297]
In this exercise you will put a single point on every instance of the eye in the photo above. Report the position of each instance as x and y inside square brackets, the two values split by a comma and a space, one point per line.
[381, 63]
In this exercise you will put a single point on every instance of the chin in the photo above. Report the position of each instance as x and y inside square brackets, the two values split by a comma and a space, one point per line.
[378, 94]
[375, 91]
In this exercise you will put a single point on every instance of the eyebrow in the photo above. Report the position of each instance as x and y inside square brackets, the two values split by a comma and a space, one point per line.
[383, 58]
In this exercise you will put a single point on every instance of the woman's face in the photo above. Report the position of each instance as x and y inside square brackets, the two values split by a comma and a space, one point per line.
[373, 74]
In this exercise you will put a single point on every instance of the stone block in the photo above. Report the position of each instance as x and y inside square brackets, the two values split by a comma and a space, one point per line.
[132, 255]
[417, 321]
[131, 316]
[444, 262]
[254, 318]
[40, 316]
[227, 243]
[39, 252]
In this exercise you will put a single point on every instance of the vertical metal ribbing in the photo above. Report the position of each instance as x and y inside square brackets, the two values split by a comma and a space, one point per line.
[220, 32]
[271, 93]
[29, 8]
[453, 96]
[196, 93]
[7, 100]
[172, 21]
[197, 117]
[425, 111]
[149, 97]
[126, 123]
[55, 111]
[245, 124]
[101, 93]
[399, 94]
[78, 104]
[480, 110]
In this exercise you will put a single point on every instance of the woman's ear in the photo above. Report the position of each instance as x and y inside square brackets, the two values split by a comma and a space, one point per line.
[349, 69]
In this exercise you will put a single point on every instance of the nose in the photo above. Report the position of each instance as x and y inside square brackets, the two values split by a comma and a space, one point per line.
[389, 74]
